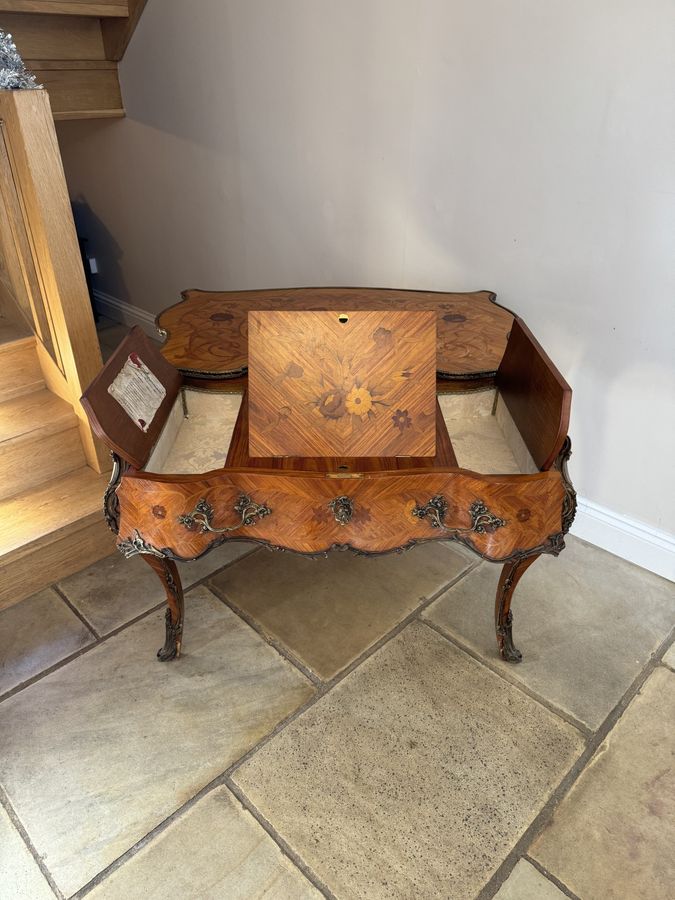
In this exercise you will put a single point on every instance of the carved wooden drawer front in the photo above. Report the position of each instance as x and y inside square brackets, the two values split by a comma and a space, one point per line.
[498, 516]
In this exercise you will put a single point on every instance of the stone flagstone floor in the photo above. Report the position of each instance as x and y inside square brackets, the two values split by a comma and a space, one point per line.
[340, 728]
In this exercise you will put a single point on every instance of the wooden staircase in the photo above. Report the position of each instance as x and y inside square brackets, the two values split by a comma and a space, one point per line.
[73, 47]
[51, 520]
[52, 469]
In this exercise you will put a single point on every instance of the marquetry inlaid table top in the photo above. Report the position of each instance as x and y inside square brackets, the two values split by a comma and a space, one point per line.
[207, 333]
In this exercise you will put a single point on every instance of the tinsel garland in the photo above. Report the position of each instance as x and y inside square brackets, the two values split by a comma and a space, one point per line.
[13, 74]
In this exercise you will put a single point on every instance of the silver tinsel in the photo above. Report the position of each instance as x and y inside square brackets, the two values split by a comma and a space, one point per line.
[13, 74]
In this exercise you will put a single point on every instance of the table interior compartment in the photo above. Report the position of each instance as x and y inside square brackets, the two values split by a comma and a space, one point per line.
[484, 437]
[197, 434]
[207, 430]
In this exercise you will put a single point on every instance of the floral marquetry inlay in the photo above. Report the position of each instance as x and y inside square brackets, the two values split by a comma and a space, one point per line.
[207, 334]
[360, 383]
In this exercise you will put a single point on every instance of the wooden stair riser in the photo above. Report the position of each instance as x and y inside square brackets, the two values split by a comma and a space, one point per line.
[98, 8]
[20, 371]
[78, 91]
[35, 518]
[62, 38]
[64, 556]
[73, 47]
[51, 531]
[34, 458]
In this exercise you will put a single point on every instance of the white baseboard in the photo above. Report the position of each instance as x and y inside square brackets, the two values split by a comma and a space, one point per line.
[121, 311]
[635, 541]
[646, 546]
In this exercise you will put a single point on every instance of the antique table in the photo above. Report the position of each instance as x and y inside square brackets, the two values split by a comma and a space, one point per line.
[183, 481]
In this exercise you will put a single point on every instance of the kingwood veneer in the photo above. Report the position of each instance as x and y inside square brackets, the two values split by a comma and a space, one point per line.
[311, 505]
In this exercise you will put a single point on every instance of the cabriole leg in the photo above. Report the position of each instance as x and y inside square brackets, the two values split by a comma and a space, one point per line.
[511, 575]
[168, 575]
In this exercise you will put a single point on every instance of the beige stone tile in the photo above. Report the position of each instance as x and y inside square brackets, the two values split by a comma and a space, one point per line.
[216, 850]
[526, 883]
[414, 776]
[669, 657]
[115, 590]
[196, 569]
[585, 622]
[112, 591]
[328, 611]
[612, 837]
[98, 753]
[35, 634]
[20, 876]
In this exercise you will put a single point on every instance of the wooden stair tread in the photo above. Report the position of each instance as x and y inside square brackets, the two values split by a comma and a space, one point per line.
[13, 331]
[77, 88]
[21, 373]
[49, 511]
[18, 344]
[38, 413]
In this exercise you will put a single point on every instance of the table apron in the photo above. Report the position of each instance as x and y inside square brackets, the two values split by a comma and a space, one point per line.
[498, 517]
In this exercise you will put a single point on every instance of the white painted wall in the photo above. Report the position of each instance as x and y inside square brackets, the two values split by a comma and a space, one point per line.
[525, 147]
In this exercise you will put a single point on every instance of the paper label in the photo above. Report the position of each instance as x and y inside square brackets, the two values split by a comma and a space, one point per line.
[137, 391]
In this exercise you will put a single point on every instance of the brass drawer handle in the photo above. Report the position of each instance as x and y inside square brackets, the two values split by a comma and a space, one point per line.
[201, 516]
[343, 509]
[482, 520]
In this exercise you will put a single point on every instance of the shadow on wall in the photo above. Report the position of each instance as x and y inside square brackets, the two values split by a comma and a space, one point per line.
[102, 245]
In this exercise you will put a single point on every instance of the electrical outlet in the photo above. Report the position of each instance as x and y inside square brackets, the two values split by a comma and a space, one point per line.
[93, 265]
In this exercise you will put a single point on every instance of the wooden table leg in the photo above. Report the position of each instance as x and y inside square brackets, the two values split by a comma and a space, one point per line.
[168, 575]
[511, 575]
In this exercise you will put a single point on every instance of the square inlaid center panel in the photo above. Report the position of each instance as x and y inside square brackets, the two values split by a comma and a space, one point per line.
[356, 383]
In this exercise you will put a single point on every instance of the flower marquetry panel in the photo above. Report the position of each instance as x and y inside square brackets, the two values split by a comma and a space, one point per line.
[354, 383]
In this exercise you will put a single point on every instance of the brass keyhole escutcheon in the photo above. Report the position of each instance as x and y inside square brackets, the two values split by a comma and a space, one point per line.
[343, 318]
[343, 509]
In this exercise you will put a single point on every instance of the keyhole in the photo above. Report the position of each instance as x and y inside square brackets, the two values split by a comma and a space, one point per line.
[343, 318]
